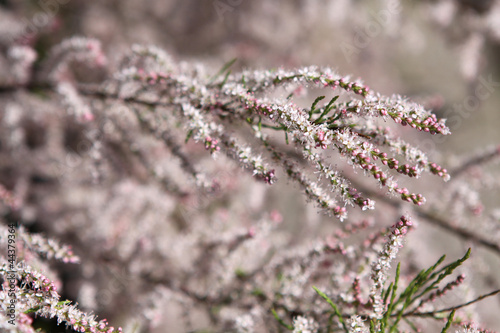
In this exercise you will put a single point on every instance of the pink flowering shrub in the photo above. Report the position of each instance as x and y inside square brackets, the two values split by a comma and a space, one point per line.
[156, 193]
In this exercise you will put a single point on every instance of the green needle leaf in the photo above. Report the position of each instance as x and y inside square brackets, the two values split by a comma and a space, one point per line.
[334, 307]
[282, 323]
[449, 322]
[222, 70]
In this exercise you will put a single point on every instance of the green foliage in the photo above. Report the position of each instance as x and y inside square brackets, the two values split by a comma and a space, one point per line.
[403, 306]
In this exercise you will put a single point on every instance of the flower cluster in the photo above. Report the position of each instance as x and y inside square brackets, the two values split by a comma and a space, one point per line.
[383, 263]
[48, 247]
[314, 76]
[76, 49]
[357, 325]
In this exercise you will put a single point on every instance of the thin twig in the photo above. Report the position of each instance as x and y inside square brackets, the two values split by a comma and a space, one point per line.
[456, 307]
[435, 220]
[476, 160]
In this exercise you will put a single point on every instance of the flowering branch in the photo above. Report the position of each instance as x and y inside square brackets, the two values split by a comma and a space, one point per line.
[37, 294]
[237, 97]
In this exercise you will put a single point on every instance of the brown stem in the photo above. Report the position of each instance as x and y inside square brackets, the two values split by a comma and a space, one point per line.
[456, 307]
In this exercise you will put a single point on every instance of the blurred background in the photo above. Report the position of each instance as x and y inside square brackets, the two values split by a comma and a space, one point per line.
[444, 54]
